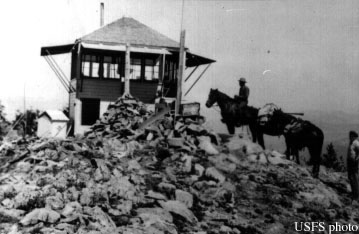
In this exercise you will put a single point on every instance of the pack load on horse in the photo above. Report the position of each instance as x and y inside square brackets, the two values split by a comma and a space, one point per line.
[265, 113]
[298, 133]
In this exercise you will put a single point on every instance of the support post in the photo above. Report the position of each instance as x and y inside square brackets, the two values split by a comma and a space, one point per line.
[78, 69]
[181, 67]
[102, 14]
[127, 71]
[163, 67]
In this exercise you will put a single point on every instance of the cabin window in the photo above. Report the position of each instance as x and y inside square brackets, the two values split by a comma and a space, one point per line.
[170, 71]
[95, 66]
[111, 67]
[152, 68]
[90, 111]
[90, 65]
[135, 69]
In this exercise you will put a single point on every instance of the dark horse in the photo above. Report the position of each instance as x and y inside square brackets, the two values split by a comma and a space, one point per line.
[298, 133]
[232, 115]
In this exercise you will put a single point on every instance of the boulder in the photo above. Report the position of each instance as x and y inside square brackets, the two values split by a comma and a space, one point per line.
[213, 173]
[40, 215]
[180, 209]
[184, 197]
[206, 145]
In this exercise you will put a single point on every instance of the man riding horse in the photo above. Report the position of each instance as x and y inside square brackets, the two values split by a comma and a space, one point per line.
[298, 133]
[242, 98]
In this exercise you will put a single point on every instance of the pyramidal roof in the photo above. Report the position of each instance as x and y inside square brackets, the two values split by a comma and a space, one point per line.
[129, 30]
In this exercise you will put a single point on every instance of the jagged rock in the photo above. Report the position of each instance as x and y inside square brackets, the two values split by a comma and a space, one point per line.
[232, 194]
[188, 163]
[184, 197]
[239, 147]
[14, 230]
[42, 146]
[155, 223]
[166, 187]
[8, 203]
[133, 165]
[199, 169]
[12, 213]
[275, 228]
[206, 145]
[101, 221]
[71, 194]
[260, 158]
[87, 196]
[121, 187]
[26, 198]
[163, 214]
[322, 196]
[156, 196]
[102, 172]
[6, 190]
[71, 208]
[179, 208]
[40, 215]
[125, 207]
[213, 173]
[223, 163]
[176, 142]
[24, 167]
[55, 202]
[225, 229]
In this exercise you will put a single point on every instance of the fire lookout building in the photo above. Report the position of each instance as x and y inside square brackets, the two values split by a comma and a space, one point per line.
[98, 68]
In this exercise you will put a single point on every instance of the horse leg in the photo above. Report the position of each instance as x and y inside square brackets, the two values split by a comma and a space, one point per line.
[315, 155]
[296, 154]
[260, 139]
[315, 150]
[230, 127]
[288, 150]
[254, 133]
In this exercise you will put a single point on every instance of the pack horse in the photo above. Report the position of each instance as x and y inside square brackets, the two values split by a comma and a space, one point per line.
[298, 133]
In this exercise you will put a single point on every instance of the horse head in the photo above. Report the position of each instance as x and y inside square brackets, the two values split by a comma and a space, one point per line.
[212, 97]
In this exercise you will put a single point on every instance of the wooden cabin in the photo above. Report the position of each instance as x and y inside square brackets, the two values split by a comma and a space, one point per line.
[98, 68]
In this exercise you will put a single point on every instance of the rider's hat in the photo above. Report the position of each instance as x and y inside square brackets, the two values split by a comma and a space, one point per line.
[242, 79]
[353, 134]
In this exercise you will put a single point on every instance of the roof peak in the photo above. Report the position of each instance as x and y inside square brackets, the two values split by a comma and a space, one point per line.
[129, 30]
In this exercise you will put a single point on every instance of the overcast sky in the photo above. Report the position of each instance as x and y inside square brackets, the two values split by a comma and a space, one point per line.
[311, 48]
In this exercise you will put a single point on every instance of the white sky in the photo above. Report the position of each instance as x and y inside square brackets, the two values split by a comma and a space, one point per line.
[311, 47]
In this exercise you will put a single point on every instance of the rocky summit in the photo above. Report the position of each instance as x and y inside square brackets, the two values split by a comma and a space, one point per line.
[138, 173]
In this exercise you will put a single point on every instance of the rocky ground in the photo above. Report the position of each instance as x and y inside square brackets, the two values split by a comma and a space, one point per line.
[132, 174]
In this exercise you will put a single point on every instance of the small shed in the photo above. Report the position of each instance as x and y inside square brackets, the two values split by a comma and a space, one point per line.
[52, 123]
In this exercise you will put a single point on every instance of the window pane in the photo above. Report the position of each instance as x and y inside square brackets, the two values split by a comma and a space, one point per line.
[95, 67]
[106, 70]
[151, 69]
[113, 71]
[135, 72]
[86, 68]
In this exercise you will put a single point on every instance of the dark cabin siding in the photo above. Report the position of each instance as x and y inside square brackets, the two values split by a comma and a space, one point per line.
[145, 91]
[110, 90]
[106, 90]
